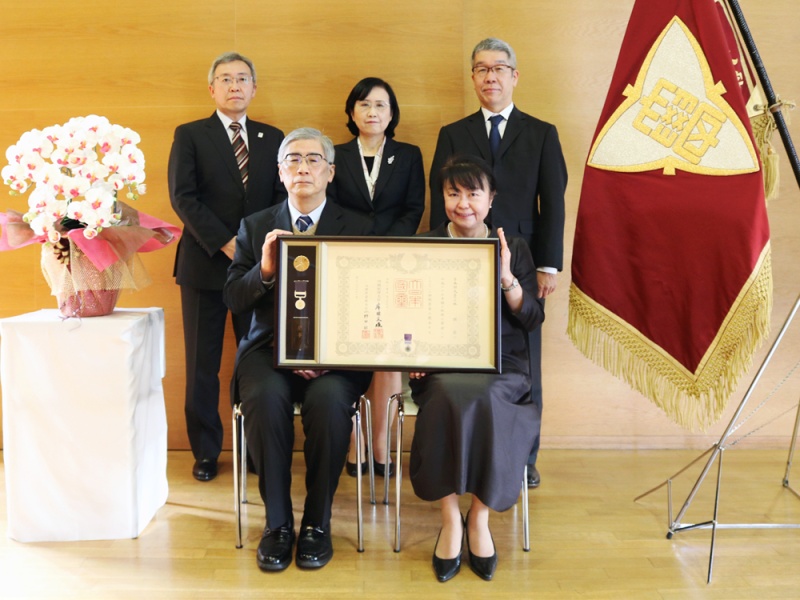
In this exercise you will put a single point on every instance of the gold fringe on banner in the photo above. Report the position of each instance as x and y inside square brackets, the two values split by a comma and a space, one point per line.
[693, 400]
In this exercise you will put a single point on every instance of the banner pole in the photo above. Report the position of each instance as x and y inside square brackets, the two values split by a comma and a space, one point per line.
[773, 104]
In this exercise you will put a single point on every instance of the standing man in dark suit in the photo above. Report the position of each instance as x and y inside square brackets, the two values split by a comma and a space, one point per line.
[267, 394]
[526, 158]
[221, 169]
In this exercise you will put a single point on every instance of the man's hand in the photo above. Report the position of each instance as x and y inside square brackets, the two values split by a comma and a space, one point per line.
[546, 282]
[310, 374]
[269, 253]
[229, 249]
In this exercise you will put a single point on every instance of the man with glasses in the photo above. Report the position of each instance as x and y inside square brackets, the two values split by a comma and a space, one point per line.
[221, 169]
[305, 160]
[531, 174]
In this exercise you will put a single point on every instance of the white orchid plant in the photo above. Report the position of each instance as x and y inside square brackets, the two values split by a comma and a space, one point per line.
[75, 170]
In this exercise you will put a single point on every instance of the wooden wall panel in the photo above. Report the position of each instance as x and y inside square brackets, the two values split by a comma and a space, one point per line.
[144, 65]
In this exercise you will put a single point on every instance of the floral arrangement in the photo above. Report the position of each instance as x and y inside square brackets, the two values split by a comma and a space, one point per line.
[75, 174]
[76, 171]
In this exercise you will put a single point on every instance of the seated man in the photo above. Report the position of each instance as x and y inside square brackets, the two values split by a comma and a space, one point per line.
[305, 160]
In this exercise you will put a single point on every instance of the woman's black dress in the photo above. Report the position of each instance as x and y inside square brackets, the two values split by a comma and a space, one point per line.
[474, 431]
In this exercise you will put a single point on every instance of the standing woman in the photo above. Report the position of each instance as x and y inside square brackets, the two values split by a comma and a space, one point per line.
[473, 431]
[384, 180]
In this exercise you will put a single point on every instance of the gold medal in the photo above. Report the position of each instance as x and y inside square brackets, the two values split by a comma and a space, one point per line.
[301, 263]
[300, 305]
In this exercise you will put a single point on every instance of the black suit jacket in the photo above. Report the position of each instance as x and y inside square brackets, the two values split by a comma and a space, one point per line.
[244, 289]
[399, 192]
[207, 193]
[531, 179]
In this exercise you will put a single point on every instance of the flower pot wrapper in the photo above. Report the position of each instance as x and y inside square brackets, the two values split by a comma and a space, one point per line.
[86, 275]
[80, 288]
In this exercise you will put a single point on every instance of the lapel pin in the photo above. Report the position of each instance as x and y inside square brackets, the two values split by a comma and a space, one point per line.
[261, 134]
[391, 160]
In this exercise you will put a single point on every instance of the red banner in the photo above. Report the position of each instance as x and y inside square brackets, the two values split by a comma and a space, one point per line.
[671, 280]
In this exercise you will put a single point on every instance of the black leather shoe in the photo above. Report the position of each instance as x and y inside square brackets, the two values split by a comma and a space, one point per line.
[380, 468]
[314, 547]
[533, 477]
[447, 568]
[483, 566]
[275, 549]
[205, 469]
[352, 468]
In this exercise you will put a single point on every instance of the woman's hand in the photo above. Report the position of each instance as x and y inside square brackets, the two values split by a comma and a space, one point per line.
[506, 276]
[269, 253]
[511, 289]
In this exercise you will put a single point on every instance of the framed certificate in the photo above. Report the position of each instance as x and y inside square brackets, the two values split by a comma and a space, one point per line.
[388, 304]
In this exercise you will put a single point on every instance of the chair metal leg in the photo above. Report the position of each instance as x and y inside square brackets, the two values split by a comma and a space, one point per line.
[526, 540]
[401, 413]
[359, 460]
[394, 398]
[243, 461]
[237, 416]
[367, 408]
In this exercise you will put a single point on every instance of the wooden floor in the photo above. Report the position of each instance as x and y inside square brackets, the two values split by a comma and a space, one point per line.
[589, 540]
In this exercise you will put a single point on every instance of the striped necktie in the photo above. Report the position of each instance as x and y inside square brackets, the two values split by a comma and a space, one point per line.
[240, 150]
[303, 223]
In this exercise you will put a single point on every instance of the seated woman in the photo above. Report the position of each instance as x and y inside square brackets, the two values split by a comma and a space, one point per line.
[474, 430]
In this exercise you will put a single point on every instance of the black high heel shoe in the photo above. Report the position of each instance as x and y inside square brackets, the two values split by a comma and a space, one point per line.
[380, 468]
[483, 566]
[447, 568]
[352, 468]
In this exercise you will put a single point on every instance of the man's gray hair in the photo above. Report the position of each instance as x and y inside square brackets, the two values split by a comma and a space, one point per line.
[495, 45]
[307, 133]
[230, 57]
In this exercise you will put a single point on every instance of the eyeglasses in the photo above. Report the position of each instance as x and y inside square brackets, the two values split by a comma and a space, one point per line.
[498, 70]
[366, 105]
[294, 160]
[240, 81]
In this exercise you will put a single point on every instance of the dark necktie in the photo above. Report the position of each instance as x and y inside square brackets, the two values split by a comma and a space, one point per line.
[494, 134]
[240, 150]
[303, 223]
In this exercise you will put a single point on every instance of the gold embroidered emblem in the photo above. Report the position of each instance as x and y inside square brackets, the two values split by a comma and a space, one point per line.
[675, 117]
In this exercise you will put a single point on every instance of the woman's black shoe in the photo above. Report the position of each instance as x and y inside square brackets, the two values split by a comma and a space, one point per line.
[352, 468]
[380, 468]
[483, 566]
[447, 568]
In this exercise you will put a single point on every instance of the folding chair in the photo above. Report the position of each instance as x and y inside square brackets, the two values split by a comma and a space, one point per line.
[401, 412]
[240, 466]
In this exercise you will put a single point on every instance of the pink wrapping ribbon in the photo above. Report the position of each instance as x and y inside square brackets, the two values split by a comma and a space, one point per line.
[110, 245]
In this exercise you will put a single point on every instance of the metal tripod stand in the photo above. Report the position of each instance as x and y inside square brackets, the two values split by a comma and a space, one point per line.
[717, 452]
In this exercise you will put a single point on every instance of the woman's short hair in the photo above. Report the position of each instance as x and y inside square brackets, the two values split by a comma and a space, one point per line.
[468, 172]
[361, 90]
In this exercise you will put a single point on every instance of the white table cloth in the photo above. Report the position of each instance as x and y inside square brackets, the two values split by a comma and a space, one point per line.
[84, 424]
